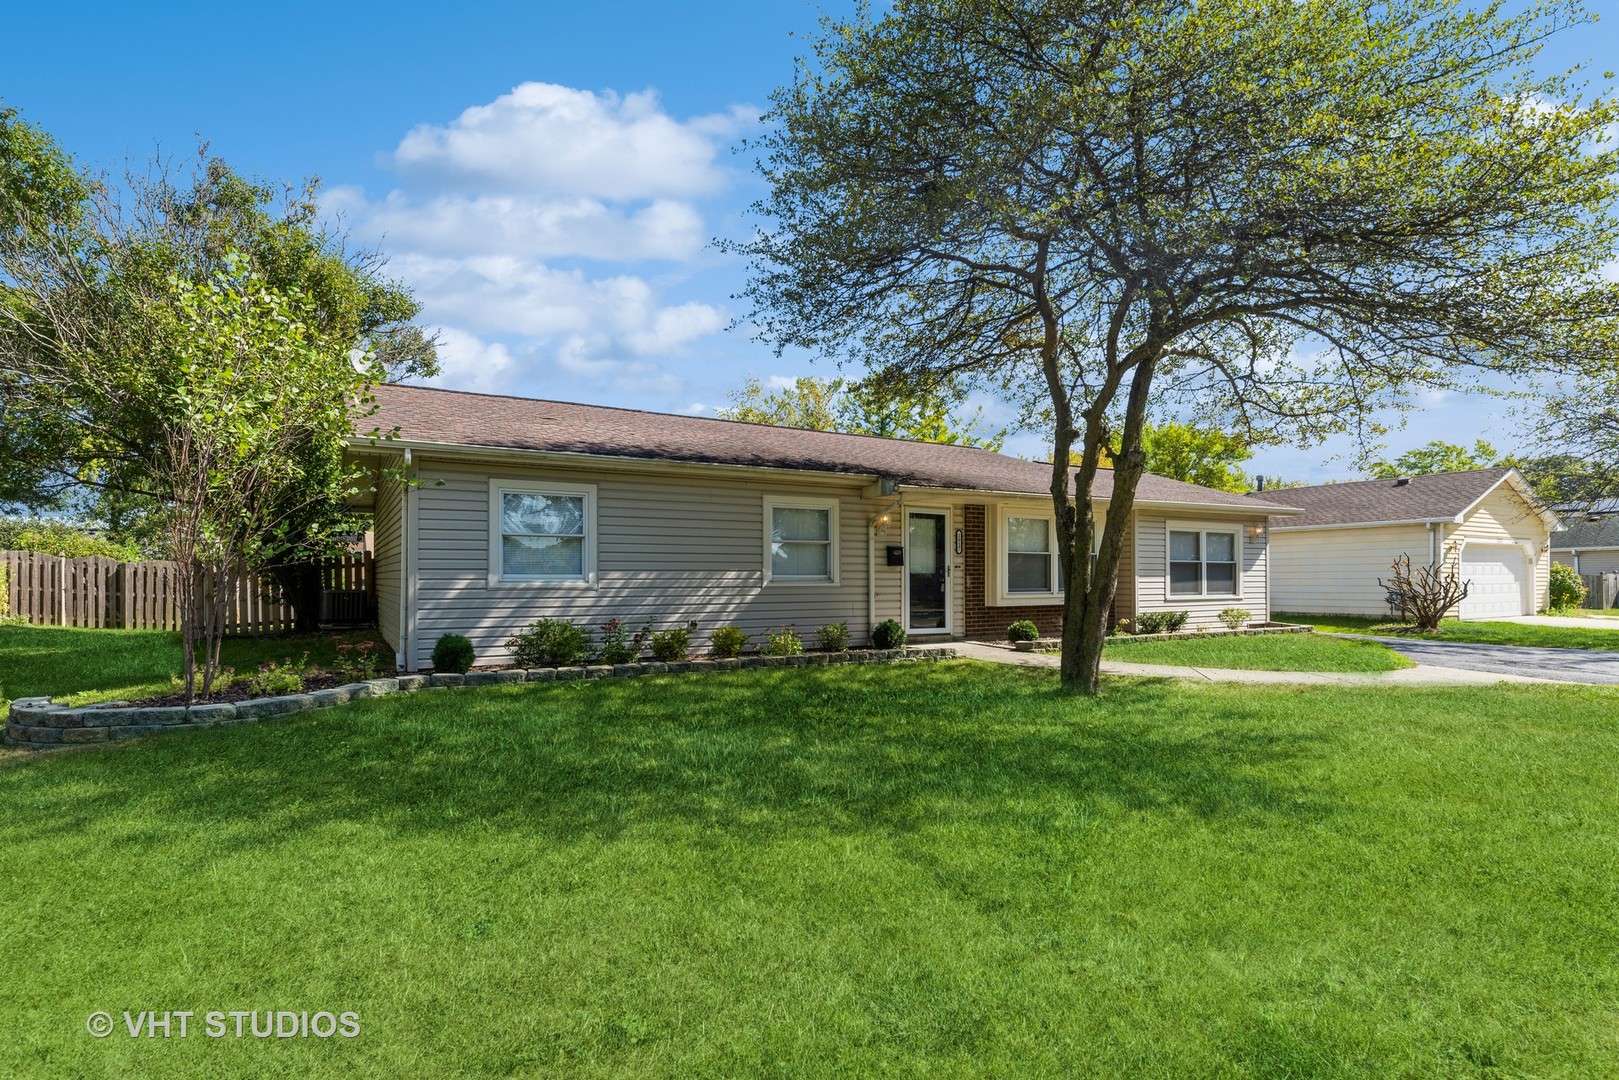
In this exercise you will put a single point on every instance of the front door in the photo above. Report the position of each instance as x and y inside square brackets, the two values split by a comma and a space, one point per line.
[927, 577]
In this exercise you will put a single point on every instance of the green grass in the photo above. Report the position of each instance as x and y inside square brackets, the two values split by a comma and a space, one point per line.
[941, 870]
[1486, 633]
[1261, 652]
[81, 666]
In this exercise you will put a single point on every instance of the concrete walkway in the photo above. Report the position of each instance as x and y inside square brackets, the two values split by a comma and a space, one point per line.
[1576, 622]
[1422, 675]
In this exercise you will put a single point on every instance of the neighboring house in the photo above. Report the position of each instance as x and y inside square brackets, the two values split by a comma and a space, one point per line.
[1485, 524]
[526, 509]
[1590, 544]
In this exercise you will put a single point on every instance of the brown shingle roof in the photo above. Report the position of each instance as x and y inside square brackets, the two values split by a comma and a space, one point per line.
[1436, 497]
[429, 415]
[1585, 533]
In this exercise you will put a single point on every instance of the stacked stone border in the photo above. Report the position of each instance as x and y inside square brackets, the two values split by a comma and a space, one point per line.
[37, 723]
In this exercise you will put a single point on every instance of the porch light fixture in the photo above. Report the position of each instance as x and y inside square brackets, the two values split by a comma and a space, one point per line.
[1256, 532]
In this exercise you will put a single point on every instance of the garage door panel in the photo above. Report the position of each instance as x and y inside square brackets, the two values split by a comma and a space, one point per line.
[1497, 577]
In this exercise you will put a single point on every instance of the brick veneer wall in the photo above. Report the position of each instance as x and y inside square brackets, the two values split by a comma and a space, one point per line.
[986, 623]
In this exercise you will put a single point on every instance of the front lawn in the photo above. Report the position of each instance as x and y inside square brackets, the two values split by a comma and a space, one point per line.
[81, 666]
[1484, 633]
[1260, 652]
[944, 869]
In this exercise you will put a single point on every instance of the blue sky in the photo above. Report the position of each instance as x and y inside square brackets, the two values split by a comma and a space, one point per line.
[546, 176]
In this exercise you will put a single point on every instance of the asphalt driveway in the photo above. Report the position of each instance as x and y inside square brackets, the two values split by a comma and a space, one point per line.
[1563, 665]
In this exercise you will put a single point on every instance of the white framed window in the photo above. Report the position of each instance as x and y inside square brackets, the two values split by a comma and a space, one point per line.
[801, 541]
[541, 532]
[1204, 562]
[1031, 556]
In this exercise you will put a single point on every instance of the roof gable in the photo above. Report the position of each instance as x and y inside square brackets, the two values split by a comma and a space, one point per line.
[1415, 500]
[453, 418]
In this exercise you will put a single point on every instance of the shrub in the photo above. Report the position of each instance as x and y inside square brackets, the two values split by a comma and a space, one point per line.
[1023, 630]
[888, 634]
[357, 660]
[273, 679]
[1235, 618]
[1567, 588]
[549, 641]
[834, 637]
[5, 590]
[1161, 622]
[728, 641]
[618, 645]
[1423, 593]
[671, 646]
[784, 642]
[63, 539]
[453, 654]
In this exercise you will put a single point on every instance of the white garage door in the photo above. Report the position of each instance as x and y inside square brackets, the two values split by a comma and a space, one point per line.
[1499, 577]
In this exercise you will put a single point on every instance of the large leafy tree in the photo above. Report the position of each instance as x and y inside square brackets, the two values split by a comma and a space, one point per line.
[1197, 455]
[84, 265]
[927, 414]
[1437, 456]
[1284, 211]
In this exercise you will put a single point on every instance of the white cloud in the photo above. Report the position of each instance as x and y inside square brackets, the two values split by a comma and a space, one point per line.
[537, 228]
[469, 363]
[546, 139]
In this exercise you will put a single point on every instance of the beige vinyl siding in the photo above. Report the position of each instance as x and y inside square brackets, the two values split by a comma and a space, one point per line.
[1335, 571]
[1152, 567]
[1504, 516]
[1592, 561]
[670, 549]
[388, 540]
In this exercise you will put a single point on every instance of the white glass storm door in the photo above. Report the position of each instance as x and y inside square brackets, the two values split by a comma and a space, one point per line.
[927, 578]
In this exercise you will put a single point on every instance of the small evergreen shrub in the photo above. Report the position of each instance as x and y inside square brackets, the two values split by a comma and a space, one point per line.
[1235, 618]
[1161, 622]
[834, 637]
[547, 642]
[728, 641]
[671, 646]
[784, 642]
[1023, 630]
[453, 654]
[1567, 588]
[888, 634]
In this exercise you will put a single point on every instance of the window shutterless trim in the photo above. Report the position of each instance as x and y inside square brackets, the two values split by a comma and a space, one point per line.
[1203, 532]
[497, 577]
[773, 503]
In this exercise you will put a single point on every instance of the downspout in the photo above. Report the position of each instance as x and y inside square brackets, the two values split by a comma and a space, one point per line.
[1433, 556]
[871, 578]
[403, 652]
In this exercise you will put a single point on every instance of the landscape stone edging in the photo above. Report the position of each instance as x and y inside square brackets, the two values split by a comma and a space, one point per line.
[37, 723]
[1211, 632]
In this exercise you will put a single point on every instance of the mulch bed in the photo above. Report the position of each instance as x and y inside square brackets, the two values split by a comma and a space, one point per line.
[238, 691]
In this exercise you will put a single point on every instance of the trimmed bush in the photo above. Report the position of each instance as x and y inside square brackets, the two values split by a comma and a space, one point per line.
[1023, 630]
[1161, 622]
[453, 655]
[1235, 618]
[728, 641]
[671, 646]
[888, 634]
[783, 642]
[834, 637]
[619, 646]
[1567, 588]
[547, 642]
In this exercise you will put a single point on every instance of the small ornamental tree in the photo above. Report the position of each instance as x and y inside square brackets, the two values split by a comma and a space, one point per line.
[1278, 215]
[252, 394]
[1426, 594]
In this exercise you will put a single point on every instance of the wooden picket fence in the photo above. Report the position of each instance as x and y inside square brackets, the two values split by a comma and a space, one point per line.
[1601, 590]
[96, 592]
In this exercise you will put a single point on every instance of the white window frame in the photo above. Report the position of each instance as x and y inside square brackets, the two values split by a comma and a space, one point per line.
[834, 544]
[1009, 596]
[498, 489]
[1203, 530]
